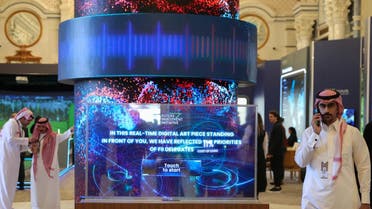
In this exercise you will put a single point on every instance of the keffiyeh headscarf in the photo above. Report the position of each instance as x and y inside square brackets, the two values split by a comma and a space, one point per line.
[48, 143]
[327, 96]
[26, 113]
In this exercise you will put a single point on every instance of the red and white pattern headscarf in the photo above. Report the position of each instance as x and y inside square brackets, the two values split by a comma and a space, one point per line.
[327, 96]
[26, 113]
[48, 143]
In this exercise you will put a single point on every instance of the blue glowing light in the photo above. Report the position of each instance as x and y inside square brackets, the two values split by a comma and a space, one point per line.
[157, 45]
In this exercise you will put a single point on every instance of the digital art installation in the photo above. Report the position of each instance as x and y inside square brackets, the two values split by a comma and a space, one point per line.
[156, 112]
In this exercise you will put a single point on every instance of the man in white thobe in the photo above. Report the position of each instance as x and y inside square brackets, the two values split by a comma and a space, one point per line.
[45, 167]
[12, 143]
[329, 150]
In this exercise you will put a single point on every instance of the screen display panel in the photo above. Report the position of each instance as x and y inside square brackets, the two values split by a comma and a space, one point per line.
[349, 116]
[293, 100]
[169, 151]
[57, 106]
[222, 8]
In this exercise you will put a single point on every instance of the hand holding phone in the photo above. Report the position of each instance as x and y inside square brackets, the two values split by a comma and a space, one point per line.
[316, 121]
[316, 114]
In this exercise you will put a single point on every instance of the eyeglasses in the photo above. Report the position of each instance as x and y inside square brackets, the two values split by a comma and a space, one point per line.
[329, 105]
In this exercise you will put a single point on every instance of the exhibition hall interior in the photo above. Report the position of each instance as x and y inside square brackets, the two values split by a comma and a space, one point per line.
[164, 95]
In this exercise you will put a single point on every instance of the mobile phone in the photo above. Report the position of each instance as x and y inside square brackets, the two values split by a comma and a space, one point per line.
[315, 111]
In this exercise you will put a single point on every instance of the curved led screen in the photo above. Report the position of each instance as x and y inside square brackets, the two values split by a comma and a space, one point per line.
[158, 45]
[224, 8]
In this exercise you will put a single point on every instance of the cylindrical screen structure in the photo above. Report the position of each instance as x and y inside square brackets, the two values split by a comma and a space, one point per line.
[119, 54]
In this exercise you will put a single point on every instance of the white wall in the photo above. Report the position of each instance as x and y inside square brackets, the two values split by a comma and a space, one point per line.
[282, 39]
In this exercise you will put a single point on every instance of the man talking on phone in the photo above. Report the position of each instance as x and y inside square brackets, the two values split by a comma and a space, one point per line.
[329, 150]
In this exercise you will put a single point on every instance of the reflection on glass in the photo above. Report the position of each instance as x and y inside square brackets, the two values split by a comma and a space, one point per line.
[167, 151]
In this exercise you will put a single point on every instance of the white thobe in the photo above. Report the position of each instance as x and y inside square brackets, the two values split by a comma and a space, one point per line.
[12, 143]
[319, 191]
[45, 190]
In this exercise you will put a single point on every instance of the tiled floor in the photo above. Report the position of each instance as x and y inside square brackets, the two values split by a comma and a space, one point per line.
[288, 198]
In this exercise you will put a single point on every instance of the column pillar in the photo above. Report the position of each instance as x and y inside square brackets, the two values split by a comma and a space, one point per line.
[67, 9]
[304, 31]
[336, 13]
[305, 13]
[356, 18]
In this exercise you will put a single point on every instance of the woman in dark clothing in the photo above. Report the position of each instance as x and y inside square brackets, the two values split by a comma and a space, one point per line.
[261, 159]
[292, 137]
[277, 149]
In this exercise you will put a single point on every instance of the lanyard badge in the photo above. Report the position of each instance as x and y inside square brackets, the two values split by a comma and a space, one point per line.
[324, 170]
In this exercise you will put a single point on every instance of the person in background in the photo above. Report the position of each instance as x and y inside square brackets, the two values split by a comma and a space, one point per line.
[246, 154]
[12, 143]
[277, 149]
[45, 167]
[292, 139]
[261, 157]
[367, 134]
[32, 128]
[21, 174]
[329, 150]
